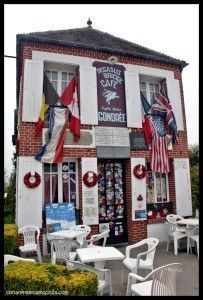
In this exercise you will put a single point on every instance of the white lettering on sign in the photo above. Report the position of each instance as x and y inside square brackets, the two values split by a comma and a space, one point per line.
[105, 136]
[112, 117]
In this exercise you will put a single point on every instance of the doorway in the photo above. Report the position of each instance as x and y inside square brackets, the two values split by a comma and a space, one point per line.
[112, 200]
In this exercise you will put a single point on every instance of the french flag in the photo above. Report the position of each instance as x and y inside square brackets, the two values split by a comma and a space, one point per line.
[70, 98]
[52, 151]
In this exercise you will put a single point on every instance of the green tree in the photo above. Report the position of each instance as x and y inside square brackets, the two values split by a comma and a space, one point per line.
[194, 174]
[9, 211]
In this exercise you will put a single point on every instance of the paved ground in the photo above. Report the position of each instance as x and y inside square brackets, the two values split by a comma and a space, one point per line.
[187, 281]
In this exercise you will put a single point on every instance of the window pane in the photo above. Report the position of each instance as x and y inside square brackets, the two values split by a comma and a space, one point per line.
[48, 74]
[64, 76]
[143, 86]
[47, 197]
[65, 187]
[54, 188]
[73, 188]
[64, 84]
[47, 168]
[54, 168]
[54, 75]
[158, 187]
[156, 88]
[65, 167]
[163, 187]
[54, 83]
[145, 94]
[152, 97]
[72, 167]
[150, 187]
[151, 87]
[70, 75]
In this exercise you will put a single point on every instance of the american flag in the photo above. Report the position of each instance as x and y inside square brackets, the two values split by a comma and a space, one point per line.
[162, 107]
[159, 149]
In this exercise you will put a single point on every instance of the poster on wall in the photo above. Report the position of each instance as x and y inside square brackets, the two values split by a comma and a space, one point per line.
[61, 215]
[111, 95]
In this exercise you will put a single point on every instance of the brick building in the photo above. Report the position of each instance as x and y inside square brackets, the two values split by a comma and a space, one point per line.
[112, 140]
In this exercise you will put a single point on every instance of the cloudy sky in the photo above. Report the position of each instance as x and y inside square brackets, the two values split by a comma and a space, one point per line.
[170, 29]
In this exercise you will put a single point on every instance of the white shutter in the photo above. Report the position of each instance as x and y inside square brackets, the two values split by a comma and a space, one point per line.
[32, 90]
[88, 96]
[173, 87]
[138, 187]
[29, 201]
[133, 102]
[182, 186]
[89, 195]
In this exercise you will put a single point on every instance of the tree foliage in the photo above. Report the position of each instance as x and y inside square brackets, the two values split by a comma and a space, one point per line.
[194, 174]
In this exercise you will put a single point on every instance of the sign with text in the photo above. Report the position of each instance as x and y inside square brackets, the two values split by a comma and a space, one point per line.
[137, 141]
[111, 95]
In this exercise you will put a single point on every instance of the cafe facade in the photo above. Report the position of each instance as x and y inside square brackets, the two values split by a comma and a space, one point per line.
[123, 194]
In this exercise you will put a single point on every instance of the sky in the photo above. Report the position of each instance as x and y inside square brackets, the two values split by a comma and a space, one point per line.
[170, 29]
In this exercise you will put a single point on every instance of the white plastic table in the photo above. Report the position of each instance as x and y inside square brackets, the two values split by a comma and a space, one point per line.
[189, 222]
[66, 234]
[99, 255]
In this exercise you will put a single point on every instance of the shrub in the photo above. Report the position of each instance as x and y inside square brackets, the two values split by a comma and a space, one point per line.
[10, 238]
[49, 279]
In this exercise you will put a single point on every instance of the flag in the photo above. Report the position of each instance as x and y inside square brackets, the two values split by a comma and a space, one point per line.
[52, 151]
[146, 108]
[162, 107]
[70, 98]
[159, 149]
[50, 97]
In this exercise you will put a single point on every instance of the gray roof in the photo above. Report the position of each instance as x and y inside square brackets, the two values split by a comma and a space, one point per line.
[93, 39]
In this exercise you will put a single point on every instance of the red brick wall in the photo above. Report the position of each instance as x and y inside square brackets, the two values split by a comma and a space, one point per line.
[27, 146]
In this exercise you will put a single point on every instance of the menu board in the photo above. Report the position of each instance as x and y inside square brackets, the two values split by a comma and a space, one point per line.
[60, 213]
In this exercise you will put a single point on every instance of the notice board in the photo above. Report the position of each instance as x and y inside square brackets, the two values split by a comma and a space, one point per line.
[63, 213]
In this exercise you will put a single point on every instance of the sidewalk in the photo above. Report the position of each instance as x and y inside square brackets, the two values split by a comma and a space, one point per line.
[187, 280]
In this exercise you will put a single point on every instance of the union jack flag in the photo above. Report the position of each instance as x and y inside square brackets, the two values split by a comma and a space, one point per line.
[159, 149]
[162, 107]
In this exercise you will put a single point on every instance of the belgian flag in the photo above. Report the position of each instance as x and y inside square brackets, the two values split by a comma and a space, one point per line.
[50, 97]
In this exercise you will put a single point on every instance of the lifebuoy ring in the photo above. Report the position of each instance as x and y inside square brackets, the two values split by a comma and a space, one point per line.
[34, 184]
[139, 171]
[90, 179]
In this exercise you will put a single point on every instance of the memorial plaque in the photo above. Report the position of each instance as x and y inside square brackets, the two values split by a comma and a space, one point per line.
[118, 137]
[137, 141]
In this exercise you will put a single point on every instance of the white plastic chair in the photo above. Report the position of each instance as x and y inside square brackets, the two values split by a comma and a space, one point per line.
[61, 249]
[83, 231]
[162, 283]
[192, 235]
[8, 258]
[96, 237]
[175, 232]
[31, 244]
[103, 275]
[133, 264]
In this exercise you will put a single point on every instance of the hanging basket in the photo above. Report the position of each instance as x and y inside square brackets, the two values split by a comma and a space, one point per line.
[32, 185]
[90, 179]
[139, 171]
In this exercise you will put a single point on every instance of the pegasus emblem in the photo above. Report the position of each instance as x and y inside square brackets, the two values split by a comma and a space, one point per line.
[109, 95]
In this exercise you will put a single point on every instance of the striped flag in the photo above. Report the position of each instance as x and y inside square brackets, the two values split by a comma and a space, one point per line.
[70, 98]
[162, 107]
[50, 97]
[159, 148]
[52, 151]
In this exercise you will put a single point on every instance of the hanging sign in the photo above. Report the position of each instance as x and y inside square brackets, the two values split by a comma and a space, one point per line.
[111, 95]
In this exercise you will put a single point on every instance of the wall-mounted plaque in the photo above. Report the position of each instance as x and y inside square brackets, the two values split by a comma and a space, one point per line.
[137, 141]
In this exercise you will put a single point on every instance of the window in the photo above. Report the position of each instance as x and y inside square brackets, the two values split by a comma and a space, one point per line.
[59, 79]
[60, 182]
[156, 187]
[149, 89]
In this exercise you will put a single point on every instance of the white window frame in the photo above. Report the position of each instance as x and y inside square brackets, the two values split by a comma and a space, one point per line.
[60, 68]
[60, 181]
[155, 190]
[148, 82]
